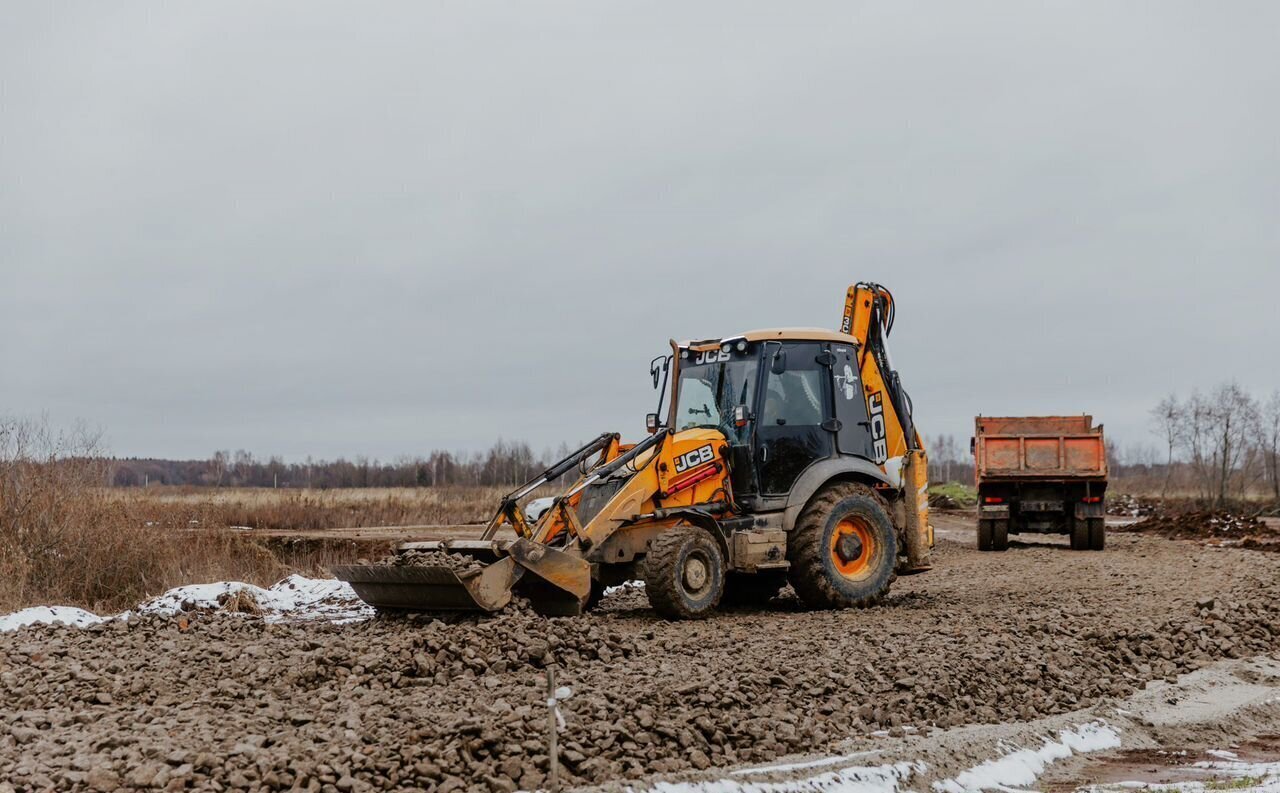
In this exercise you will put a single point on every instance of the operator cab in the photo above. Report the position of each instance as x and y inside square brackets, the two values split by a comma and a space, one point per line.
[784, 399]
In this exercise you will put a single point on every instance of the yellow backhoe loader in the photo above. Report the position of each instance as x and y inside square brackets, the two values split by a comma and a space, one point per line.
[785, 455]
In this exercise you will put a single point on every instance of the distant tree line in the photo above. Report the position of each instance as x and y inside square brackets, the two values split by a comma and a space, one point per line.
[949, 460]
[504, 463]
[1217, 447]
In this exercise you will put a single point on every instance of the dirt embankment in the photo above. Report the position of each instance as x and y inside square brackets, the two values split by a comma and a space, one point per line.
[460, 703]
[1216, 527]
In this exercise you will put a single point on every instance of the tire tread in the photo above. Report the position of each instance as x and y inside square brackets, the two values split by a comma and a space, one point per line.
[806, 549]
[661, 575]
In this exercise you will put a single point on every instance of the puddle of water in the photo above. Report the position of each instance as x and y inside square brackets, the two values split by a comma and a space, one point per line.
[1188, 768]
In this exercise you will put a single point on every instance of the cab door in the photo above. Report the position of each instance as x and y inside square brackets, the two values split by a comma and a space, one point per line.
[853, 435]
[790, 434]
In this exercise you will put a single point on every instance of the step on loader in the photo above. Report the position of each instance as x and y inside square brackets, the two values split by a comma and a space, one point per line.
[783, 456]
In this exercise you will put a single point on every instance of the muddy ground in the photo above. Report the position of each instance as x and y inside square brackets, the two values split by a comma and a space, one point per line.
[227, 701]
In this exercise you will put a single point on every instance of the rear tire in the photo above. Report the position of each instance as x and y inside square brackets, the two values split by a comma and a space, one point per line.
[1097, 534]
[752, 589]
[843, 549]
[1079, 534]
[1000, 535]
[684, 573]
[984, 535]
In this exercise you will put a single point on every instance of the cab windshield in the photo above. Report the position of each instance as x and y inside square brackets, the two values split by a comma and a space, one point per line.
[708, 393]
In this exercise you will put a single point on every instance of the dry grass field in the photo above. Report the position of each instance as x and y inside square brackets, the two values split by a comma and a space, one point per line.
[65, 540]
[309, 510]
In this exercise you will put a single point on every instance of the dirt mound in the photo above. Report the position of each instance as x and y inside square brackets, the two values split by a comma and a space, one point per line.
[1204, 525]
[460, 703]
[942, 501]
[459, 563]
[240, 602]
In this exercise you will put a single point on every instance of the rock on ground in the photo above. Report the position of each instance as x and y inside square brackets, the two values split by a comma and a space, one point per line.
[224, 701]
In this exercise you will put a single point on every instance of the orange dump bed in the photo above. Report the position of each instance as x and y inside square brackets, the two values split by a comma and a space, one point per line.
[1038, 447]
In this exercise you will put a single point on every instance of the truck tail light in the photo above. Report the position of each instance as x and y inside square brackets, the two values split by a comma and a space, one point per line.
[1092, 499]
[992, 500]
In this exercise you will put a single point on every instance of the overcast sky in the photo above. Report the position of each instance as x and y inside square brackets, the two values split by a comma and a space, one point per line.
[342, 229]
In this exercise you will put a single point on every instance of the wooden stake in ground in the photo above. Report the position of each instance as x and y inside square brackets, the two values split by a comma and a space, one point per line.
[555, 723]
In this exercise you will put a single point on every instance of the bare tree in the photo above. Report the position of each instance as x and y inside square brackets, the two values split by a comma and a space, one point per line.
[219, 464]
[1168, 419]
[1217, 433]
[1269, 440]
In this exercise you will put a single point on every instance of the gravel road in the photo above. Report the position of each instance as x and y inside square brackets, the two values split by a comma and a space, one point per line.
[215, 701]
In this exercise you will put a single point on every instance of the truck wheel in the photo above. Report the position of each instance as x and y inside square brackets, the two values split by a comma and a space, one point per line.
[752, 589]
[1097, 534]
[843, 548]
[984, 534]
[1079, 534]
[684, 573]
[999, 535]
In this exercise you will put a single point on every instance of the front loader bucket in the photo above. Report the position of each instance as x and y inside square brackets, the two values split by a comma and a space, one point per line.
[436, 587]
[556, 582]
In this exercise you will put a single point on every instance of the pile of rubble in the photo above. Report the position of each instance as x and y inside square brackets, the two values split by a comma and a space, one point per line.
[197, 698]
[1217, 527]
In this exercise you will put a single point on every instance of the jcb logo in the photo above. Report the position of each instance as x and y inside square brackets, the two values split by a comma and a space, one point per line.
[712, 356]
[875, 404]
[695, 458]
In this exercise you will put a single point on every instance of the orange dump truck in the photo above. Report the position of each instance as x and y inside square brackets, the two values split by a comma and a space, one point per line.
[1040, 475]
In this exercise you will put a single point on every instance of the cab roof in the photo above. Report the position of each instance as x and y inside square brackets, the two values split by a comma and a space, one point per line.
[778, 334]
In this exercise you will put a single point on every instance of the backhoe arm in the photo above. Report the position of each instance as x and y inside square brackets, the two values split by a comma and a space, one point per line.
[868, 318]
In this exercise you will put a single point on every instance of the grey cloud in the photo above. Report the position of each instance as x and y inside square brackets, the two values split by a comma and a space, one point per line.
[311, 229]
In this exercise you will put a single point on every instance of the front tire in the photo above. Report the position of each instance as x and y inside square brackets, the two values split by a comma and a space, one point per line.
[843, 549]
[684, 573]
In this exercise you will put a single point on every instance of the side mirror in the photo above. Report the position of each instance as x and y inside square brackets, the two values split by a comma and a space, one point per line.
[741, 416]
[779, 364]
[651, 422]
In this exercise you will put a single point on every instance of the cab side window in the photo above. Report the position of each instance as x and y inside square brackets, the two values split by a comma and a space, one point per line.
[794, 398]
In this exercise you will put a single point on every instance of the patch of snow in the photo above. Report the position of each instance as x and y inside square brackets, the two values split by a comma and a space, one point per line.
[1262, 778]
[294, 598]
[1222, 754]
[1267, 775]
[625, 585]
[198, 596]
[854, 779]
[1021, 767]
[48, 615]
